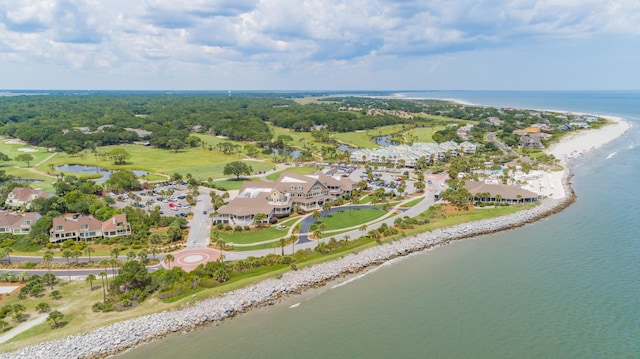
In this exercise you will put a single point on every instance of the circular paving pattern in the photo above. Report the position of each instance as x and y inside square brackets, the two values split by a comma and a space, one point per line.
[189, 259]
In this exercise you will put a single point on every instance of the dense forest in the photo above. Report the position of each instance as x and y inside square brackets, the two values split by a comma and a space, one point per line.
[72, 123]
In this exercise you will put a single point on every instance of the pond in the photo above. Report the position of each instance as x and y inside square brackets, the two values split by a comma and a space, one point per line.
[384, 141]
[294, 154]
[94, 170]
[346, 148]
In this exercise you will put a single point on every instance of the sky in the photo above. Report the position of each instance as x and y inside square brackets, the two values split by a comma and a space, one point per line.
[320, 44]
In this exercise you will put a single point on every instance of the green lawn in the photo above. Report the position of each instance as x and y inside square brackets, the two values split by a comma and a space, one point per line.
[350, 218]
[414, 202]
[200, 163]
[248, 237]
[422, 134]
[362, 139]
[303, 170]
[234, 184]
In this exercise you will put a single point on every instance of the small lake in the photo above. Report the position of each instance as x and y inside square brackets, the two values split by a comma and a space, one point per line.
[94, 170]
[294, 154]
[384, 141]
[346, 148]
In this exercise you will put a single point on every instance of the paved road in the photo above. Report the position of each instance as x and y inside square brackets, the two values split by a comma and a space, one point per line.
[200, 224]
[428, 201]
[492, 137]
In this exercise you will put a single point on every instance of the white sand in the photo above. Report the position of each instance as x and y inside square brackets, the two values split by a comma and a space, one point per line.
[27, 150]
[578, 144]
[584, 141]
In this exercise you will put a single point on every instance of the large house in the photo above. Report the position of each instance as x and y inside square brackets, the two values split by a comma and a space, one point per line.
[278, 199]
[17, 224]
[490, 192]
[24, 196]
[78, 227]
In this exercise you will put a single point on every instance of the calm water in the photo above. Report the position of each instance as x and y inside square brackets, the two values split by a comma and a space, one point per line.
[565, 287]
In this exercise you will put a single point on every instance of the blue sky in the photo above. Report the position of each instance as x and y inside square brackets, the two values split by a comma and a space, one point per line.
[320, 44]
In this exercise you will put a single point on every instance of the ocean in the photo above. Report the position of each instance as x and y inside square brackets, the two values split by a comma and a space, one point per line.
[565, 287]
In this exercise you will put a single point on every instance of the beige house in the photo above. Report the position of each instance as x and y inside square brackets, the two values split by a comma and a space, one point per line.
[24, 196]
[78, 226]
[17, 224]
[488, 192]
[278, 199]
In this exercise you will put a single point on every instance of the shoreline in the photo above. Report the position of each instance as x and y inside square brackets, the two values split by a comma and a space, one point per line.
[122, 336]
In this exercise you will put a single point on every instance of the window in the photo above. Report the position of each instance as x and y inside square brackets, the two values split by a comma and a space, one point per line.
[58, 228]
[84, 226]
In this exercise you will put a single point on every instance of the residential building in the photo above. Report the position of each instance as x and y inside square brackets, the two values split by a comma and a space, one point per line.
[83, 227]
[278, 199]
[20, 196]
[17, 223]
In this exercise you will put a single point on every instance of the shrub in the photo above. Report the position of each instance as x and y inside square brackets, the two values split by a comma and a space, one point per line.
[238, 229]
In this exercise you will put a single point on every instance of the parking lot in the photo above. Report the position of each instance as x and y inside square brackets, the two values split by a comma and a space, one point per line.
[170, 197]
[387, 180]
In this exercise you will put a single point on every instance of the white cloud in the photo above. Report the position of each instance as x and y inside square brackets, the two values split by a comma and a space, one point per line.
[277, 36]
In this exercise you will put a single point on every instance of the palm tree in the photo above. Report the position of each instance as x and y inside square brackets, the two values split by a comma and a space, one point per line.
[293, 239]
[76, 253]
[326, 206]
[90, 279]
[154, 251]
[322, 227]
[115, 252]
[283, 242]
[316, 214]
[89, 250]
[169, 258]
[67, 254]
[103, 275]
[363, 228]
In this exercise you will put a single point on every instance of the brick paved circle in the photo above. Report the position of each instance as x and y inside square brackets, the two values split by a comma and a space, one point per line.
[189, 259]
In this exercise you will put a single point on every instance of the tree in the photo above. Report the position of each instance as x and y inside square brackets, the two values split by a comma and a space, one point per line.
[24, 157]
[55, 294]
[47, 257]
[132, 275]
[316, 214]
[68, 254]
[237, 168]
[169, 258]
[103, 275]
[43, 307]
[363, 228]
[119, 155]
[122, 180]
[89, 250]
[54, 318]
[90, 279]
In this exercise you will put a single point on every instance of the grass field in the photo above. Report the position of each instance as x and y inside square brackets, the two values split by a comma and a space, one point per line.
[350, 217]
[303, 170]
[234, 184]
[200, 163]
[363, 139]
[248, 237]
[422, 134]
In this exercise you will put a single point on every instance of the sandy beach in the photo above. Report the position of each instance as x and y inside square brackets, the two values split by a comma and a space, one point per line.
[576, 145]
